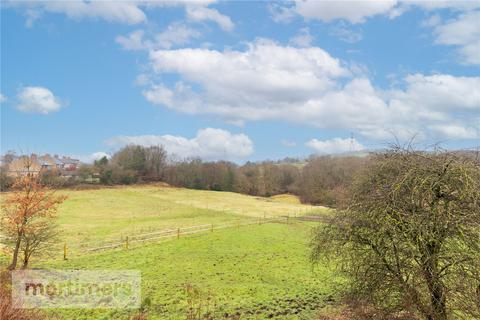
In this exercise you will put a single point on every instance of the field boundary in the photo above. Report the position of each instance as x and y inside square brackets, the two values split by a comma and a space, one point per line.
[162, 235]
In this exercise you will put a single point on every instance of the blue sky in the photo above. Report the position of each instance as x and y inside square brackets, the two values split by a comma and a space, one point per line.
[238, 80]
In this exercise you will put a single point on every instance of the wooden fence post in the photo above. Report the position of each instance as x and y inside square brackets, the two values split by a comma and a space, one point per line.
[65, 251]
[178, 233]
[126, 243]
[212, 228]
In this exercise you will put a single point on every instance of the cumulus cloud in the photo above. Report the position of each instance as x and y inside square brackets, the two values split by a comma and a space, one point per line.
[175, 34]
[462, 32]
[333, 146]
[37, 100]
[209, 143]
[234, 80]
[308, 86]
[2, 98]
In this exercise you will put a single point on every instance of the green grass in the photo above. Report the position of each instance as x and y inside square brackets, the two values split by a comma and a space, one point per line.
[259, 271]
[111, 213]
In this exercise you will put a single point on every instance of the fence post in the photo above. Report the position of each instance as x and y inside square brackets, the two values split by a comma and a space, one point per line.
[288, 217]
[178, 233]
[126, 243]
[65, 251]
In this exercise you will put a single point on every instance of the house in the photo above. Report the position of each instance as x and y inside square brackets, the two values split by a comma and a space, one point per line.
[33, 164]
[23, 165]
[70, 164]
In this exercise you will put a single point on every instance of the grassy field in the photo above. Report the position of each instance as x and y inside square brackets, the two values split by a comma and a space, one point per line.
[112, 213]
[258, 272]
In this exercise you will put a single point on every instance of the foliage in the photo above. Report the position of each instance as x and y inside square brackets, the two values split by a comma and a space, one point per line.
[6, 182]
[324, 180]
[410, 237]
[27, 214]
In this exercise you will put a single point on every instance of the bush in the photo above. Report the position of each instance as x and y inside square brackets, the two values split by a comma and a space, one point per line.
[410, 235]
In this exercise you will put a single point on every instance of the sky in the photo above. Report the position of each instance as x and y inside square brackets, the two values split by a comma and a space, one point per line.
[238, 80]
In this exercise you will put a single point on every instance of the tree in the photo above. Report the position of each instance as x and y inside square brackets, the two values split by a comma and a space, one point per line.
[5, 180]
[38, 242]
[103, 161]
[155, 162]
[410, 235]
[131, 157]
[324, 179]
[27, 213]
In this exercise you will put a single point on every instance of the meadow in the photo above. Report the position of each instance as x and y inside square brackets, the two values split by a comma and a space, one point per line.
[110, 214]
[253, 271]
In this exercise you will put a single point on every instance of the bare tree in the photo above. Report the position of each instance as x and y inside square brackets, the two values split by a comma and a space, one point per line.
[410, 235]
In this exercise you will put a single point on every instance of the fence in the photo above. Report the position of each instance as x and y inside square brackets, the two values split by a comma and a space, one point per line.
[160, 235]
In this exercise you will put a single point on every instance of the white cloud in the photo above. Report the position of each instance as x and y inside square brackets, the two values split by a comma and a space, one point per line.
[127, 12]
[440, 93]
[37, 100]
[352, 11]
[2, 98]
[113, 11]
[208, 144]
[455, 131]
[358, 11]
[308, 86]
[336, 145]
[134, 41]
[303, 38]
[202, 13]
[462, 32]
[265, 73]
[175, 34]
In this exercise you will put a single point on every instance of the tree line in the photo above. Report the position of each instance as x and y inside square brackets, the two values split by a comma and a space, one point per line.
[319, 180]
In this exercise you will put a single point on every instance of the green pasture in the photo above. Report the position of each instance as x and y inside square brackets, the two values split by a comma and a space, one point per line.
[251, 272]
[113, 213]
